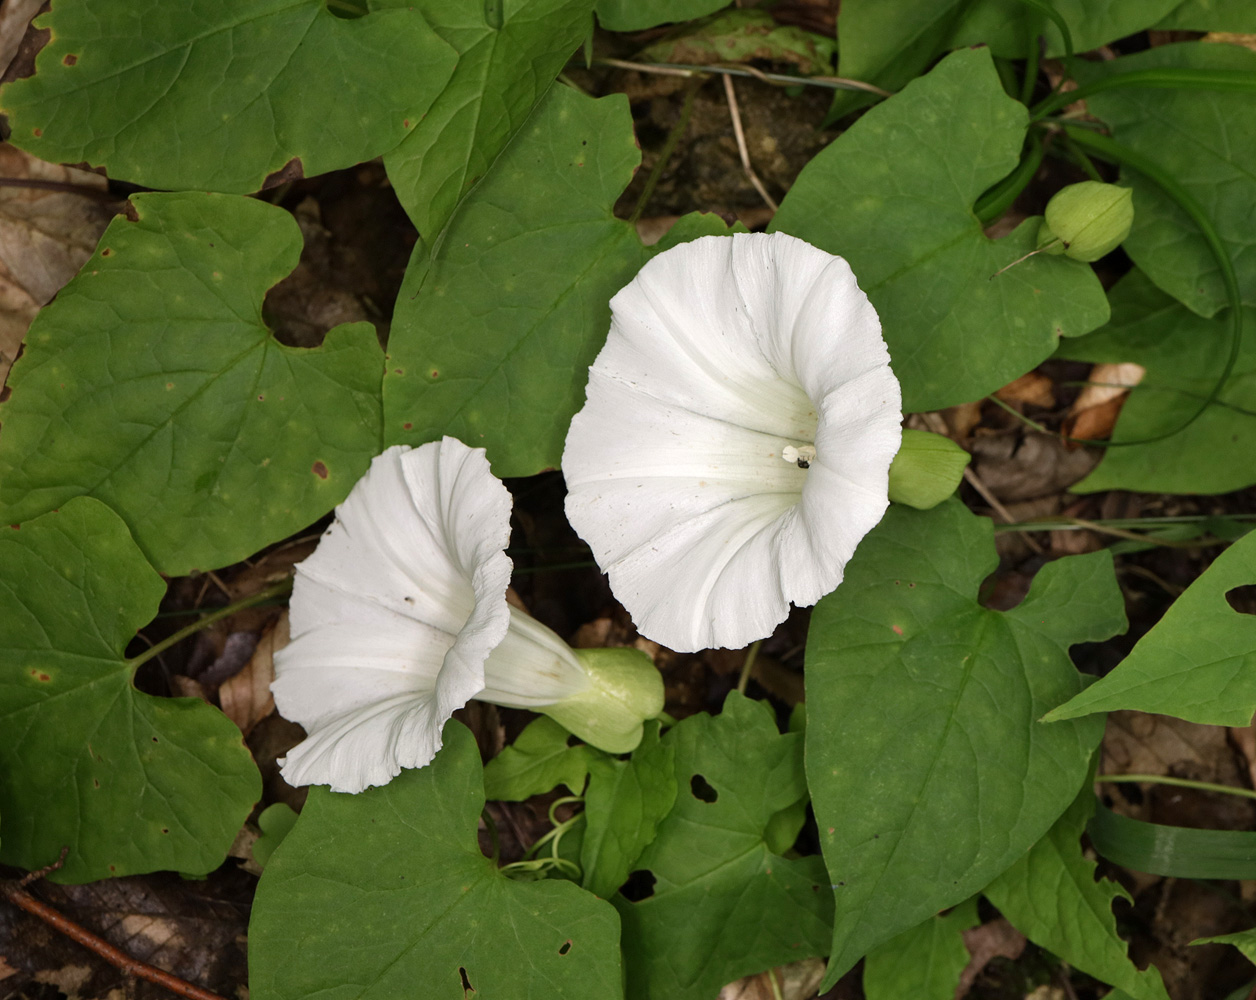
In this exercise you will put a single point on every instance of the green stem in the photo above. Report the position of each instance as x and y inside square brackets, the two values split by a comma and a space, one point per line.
[1031, 69]
[752, 654]
[998, 199]
[669, 147]
[275, 590]
[1160, 779]
[1165, 78]
[1071, 523]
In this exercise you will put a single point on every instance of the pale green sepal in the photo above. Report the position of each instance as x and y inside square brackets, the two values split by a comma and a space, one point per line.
[926, 470]
[626, 690]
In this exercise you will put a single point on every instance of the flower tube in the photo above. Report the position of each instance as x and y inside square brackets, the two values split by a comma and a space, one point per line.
[736, 440]
[400, 617]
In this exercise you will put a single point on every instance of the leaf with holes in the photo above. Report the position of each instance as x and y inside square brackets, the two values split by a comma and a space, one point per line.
[539, 760]
[499, 318]
[893, 194]
[623, 805]
[153, 384]
[127, 781]
[923, 963]
[723, 906]
[217, 94]
[931, 774]
[1198, 662]
[1213, 143]
[1184, 355]
[508, 56]
[371, 894]
[1051, 896]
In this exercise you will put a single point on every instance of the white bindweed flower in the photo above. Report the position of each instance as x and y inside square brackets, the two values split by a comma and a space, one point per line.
[737, 438]
[400, 617]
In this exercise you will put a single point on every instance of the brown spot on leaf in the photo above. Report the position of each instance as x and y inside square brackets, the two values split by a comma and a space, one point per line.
[405, 123]
[37, 132]
[290, 171]
[898, 629]
[39, 675]
[70, 59]
[107, 252]
[319, 469]
[407, 426]
[435, 373]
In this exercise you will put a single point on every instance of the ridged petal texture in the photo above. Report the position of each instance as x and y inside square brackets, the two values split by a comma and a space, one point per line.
[394, 615]
[723, 353]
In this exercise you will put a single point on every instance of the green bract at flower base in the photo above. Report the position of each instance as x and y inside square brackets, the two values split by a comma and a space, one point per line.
[625, 691]
[1086, 221]
[926, 470]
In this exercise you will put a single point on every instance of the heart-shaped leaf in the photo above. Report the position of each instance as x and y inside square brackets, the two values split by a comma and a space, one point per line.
[217, 94]
[931, 774]
[386, 892]
[127, 781]
[153, 384]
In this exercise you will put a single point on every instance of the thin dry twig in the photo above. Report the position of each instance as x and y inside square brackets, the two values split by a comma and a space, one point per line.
[776, 79]
[975, 482]
[15, 893]
[742, 149]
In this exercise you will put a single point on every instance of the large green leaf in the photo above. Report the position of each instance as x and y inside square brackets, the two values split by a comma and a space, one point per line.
[623, 805]
[1197, 663]
[127, 781]
[1051, 896]
[1213, 143]
[499, 318]
[219, 93]
[931, 774]
[723, 905]
[153, 384]
[894, 195]
[923, 963]
[636, 15]
[386, 894]
[1184, 355]
[508, 56]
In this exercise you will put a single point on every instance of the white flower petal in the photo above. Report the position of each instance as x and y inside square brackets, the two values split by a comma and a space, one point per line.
[723, 353]
[394, 615]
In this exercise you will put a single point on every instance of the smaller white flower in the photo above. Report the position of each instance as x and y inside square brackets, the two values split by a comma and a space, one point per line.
[400, 617]
[737, 437]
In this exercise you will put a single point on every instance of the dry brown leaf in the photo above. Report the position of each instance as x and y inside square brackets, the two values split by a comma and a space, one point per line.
[15, 15]
[1095, 410]
[6, 970]
[997, 939]
[962, 419]
[1025, 468]
[246, 698]
[795, 981]
[1032, 387]
[45, 236]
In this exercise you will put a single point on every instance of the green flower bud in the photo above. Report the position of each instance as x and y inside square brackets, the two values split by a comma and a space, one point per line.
[1087, 220]
[926, 469]
[627, 689]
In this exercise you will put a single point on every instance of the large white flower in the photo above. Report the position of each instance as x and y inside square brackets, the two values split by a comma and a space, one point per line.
[737, 438]
[400, 617]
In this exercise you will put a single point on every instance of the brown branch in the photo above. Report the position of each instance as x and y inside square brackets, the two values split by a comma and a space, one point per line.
[19, 897]
[100, 194]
